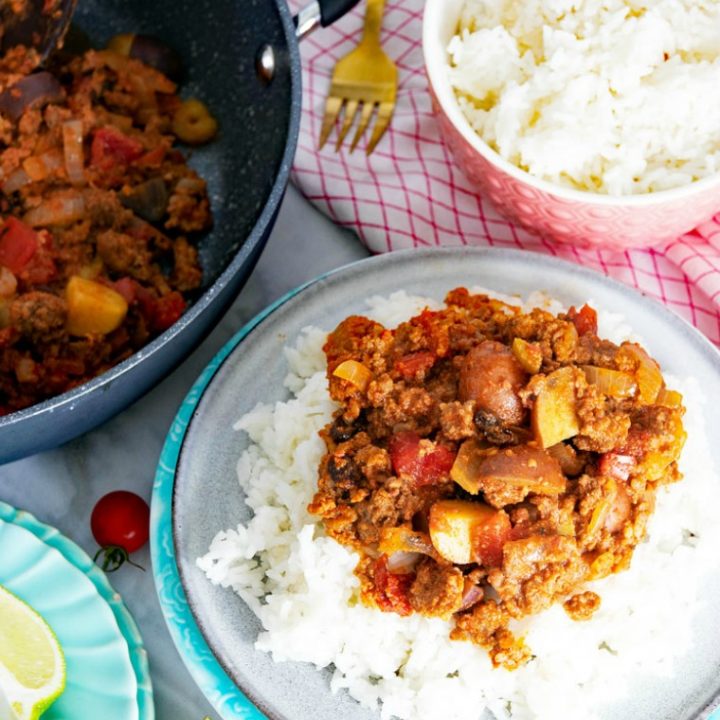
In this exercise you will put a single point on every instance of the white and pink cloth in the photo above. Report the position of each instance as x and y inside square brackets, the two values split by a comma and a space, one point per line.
[409, 193]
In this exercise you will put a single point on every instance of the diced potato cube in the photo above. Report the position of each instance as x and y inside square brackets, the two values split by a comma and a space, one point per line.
[529, 355]
[93, 309]
[553, 416]
[454, 528]
[354, 372]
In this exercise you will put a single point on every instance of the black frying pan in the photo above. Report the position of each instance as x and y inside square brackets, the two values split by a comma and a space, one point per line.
[242, 60]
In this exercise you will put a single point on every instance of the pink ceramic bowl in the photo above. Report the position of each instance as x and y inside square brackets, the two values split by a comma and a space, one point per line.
[563, 214]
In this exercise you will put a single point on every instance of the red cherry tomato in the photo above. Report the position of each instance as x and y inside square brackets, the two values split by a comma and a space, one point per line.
[121, 519]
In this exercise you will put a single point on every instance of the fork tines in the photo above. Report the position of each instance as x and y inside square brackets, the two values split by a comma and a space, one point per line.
[333, 108]
[363, 81]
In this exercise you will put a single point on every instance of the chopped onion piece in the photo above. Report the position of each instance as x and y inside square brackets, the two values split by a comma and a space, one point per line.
[73, 149]
[404, 540]
[611, 382]
[472, 595]
[616, 465]
[669, 398]
[32, 91]
[17, 179]
[354, 372]
[647, 371]
[56, 211]
[402, 561]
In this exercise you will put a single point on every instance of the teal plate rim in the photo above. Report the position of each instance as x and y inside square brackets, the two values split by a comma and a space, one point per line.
[217, 686]
[77, 557]
[209, 674]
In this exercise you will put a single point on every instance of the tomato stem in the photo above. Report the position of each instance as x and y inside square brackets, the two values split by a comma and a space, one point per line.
[114, 557]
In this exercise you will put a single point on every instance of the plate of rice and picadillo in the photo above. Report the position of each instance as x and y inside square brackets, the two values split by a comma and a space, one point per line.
[456, 484]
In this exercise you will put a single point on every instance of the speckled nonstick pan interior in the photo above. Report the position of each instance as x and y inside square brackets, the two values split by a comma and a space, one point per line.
[246, 167]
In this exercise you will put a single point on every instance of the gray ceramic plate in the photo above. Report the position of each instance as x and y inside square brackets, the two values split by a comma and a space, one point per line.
[196, 491]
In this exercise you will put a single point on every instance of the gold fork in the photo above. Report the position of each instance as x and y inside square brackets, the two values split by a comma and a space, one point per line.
[364, 79]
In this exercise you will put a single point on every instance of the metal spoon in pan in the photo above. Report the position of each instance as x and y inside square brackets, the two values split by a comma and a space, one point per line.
[37, 24]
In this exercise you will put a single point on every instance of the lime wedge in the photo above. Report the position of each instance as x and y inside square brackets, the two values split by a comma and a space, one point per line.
[32, 665]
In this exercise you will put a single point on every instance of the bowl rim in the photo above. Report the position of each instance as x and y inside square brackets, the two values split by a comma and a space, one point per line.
[435, 58]
[251, 245]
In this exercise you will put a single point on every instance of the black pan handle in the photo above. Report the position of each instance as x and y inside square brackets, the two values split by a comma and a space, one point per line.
[332, 10]
[321, 13]
[317, 13]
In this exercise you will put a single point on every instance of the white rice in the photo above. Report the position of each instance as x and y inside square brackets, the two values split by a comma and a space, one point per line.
[301, 585]
[611, 96]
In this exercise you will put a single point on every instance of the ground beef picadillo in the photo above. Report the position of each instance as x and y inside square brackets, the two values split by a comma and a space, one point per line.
[487, 463]
[99, 213]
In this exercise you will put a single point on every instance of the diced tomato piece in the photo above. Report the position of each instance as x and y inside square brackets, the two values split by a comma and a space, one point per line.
[585, 320]
[18, 245]
[147, 302]
[159, 313]
[153, 158]
[41, 269]
[490, 537]
[127, 287]
[404, 451]
[111, 148]
[392, 589]
[616, 465]
[414, 363]
[169, 308]
[423, 460]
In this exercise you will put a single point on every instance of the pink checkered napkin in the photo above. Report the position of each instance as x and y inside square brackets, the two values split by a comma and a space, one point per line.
[409, 193]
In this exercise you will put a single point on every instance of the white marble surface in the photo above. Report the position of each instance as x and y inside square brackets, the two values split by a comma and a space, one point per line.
[60, 487]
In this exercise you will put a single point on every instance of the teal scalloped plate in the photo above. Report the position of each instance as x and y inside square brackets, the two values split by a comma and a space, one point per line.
[108, 677]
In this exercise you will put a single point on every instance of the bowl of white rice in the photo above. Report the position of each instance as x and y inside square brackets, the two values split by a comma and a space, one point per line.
[593, 122]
